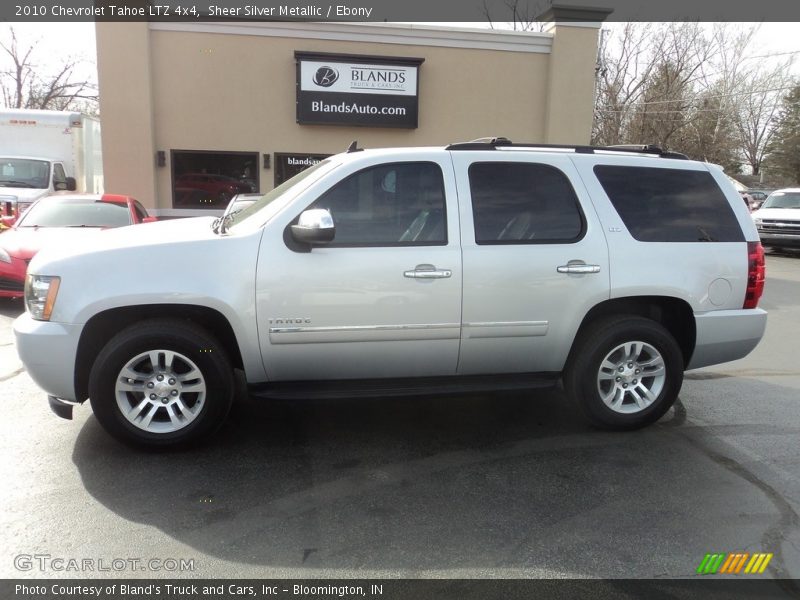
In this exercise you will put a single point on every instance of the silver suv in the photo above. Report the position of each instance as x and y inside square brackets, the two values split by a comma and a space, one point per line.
[472, 267]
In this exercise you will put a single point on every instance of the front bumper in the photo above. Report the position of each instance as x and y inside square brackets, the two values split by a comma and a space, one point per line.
[48, 351]
[786, 240]
[726, 335]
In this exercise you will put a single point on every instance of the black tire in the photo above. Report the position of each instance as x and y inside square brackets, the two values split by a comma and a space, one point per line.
[595, 344]
[191, 344]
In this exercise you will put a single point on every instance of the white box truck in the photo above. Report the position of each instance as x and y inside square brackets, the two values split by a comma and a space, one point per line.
[44, 151]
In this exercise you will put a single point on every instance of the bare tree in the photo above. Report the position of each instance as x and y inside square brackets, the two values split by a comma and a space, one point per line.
[758, 105]
[691, 88]
[25, 83]
[622, 74]
[711, 133]
[647, 81]
[664, 113]
[522, 15]
[750, 93]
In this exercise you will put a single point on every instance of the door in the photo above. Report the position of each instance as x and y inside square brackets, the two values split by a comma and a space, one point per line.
[384, 298]
[534, 258]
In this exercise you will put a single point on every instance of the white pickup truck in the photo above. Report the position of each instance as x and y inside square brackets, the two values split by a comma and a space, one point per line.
[478, 266]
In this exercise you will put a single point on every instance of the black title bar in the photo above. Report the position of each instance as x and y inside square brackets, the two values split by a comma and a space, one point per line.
[478, 11]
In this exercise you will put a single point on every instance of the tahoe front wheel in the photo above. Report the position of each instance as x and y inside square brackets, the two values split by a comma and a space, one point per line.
[161, 383]
[625, 373]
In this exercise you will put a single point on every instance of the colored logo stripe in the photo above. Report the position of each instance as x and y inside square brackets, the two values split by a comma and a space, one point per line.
[710, 564]
[734, 562]
[759, 563]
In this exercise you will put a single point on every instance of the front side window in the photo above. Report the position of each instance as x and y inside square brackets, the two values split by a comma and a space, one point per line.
[669, 205]
[389, 205]
[523, 203]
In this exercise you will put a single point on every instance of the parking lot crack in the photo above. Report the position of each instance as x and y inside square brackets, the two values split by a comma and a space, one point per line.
[788, 519]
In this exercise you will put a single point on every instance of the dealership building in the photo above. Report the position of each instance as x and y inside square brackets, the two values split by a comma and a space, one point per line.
[195, 112]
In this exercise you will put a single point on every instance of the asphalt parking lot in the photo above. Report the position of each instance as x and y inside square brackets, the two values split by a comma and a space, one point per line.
[505, 485]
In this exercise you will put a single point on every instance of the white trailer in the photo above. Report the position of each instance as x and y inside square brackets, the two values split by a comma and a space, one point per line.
[44, 151]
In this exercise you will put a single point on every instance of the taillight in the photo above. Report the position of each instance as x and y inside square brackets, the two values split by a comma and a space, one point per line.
[756, 273]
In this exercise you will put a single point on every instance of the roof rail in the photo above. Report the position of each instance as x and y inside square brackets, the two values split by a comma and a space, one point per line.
[492, 143]
[647, 149]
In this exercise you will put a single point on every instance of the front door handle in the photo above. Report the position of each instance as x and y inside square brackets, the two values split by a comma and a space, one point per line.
[578, 268]
[428, 272]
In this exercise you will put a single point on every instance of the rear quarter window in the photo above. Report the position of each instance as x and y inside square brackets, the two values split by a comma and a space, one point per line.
[669, 205]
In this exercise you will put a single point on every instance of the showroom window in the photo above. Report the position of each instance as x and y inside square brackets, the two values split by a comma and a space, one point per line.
[287, 165]
[208, 179]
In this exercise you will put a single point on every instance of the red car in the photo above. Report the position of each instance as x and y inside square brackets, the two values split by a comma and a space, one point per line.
[219, 188]
[60, 219]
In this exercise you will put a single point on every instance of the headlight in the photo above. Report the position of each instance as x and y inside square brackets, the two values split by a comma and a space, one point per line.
[4, 256]
[40, 295]
[758, 222]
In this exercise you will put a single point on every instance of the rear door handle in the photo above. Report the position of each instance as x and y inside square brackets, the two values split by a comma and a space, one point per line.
[578, 268]
[428, 272]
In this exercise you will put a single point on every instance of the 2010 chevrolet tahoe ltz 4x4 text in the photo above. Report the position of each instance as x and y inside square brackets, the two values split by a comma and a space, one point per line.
[386, 271]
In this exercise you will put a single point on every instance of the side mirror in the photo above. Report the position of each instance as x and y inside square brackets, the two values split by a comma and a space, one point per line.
[149, 219]
[314, 226]
[68, 184]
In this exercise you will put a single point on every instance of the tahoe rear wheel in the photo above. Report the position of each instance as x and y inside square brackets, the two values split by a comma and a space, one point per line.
[161, 383]
[625, 373]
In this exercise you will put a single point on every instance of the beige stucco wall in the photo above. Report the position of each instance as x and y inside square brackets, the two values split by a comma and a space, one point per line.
[123, 67]
[178, 90]
[570, 85]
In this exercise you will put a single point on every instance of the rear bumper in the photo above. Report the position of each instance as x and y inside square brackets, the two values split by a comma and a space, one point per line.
[48, 351]
[726, 335]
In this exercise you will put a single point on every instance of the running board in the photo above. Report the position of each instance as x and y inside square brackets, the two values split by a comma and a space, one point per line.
[381, 388]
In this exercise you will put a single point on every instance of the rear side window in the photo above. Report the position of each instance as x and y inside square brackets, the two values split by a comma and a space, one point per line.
[669, 205]
[523, 203]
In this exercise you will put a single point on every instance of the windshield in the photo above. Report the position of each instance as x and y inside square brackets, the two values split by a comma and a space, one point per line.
[783, 200]
[83, 213]
[24, 172]
[266, 204]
